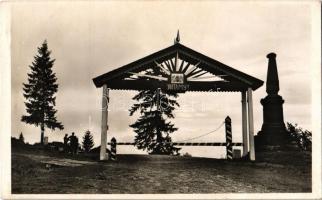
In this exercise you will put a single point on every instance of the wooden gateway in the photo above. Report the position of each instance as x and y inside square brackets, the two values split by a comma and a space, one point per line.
[181, 69]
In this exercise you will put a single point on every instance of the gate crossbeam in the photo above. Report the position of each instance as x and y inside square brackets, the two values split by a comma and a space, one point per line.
[190, 143]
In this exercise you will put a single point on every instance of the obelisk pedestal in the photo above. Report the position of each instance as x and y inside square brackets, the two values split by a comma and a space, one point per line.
[273, 133]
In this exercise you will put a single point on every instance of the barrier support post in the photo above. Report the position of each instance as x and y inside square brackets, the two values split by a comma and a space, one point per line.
[229, 139]
[113, 149]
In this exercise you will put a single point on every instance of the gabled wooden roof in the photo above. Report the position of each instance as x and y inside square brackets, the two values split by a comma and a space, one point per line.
[234, 80]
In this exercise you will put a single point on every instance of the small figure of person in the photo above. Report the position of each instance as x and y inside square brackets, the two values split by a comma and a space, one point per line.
[66, 143]
[73, 143]
[76, 145]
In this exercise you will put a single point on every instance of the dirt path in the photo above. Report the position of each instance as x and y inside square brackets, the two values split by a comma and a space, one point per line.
[62, 162]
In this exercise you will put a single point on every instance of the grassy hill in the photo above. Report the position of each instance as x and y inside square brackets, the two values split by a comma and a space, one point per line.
[41, 172]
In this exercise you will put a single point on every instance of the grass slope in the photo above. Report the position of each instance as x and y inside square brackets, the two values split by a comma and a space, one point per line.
[38, 172]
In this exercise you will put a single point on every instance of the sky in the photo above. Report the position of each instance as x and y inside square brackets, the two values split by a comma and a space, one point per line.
[88, 39]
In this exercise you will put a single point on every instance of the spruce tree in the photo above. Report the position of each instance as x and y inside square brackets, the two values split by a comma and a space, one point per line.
[153, 127]
[40, 91]
[88, 141]
[21, 138]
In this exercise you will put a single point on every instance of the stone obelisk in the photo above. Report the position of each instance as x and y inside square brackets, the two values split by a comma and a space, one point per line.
[273, 131]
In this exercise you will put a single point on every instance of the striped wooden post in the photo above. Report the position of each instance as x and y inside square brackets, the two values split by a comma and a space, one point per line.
[229, 139]
[113, 149]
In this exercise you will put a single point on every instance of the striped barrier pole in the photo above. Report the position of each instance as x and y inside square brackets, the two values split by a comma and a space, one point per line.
[189, 143]
[229, 139]
[113, 149]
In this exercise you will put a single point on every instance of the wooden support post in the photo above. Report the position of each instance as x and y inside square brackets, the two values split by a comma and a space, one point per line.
[251, 125]
[229, 139]
[244, 123]
[104, 126]
[113, 149]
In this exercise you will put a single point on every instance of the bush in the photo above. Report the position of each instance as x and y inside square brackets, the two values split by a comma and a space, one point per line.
[186, 155]
[303, 138]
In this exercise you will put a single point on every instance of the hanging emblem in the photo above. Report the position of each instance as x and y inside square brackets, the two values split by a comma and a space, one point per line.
[177, 83]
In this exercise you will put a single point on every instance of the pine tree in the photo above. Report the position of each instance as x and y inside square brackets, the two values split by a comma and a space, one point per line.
[153, 127]
[88, 141]
[21, 138]
[40, 91]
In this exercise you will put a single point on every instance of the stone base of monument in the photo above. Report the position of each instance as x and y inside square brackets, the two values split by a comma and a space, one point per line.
[278, 141]
[285, 157]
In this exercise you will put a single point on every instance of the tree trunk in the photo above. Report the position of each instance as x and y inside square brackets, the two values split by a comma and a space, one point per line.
[159, 135]
[42, 127]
